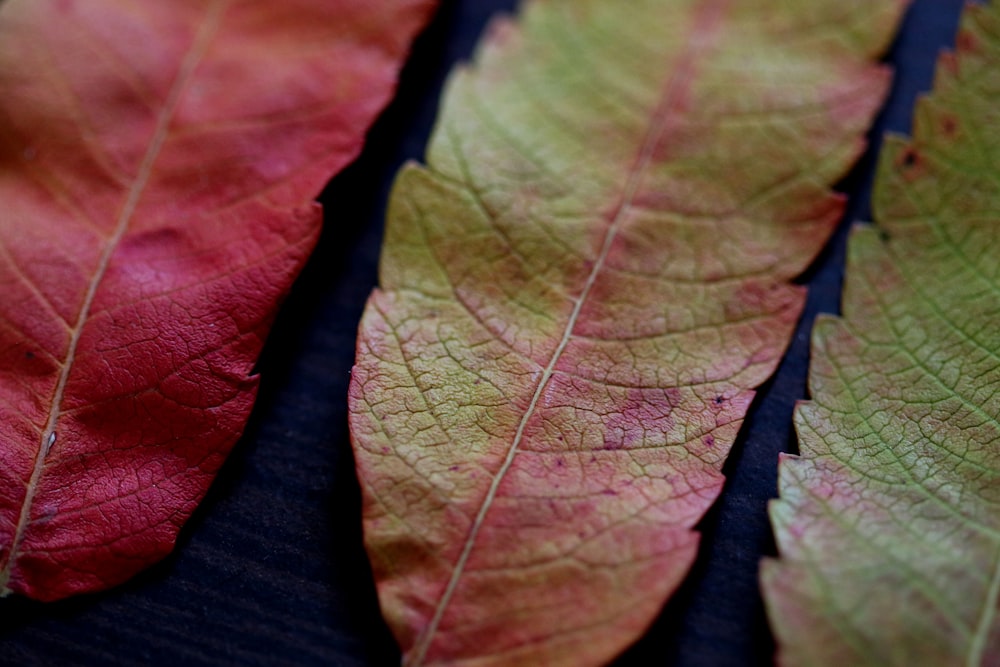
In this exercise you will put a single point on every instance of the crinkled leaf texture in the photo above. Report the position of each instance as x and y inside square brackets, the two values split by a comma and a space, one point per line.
[157, 166]
[578, 295]
[889, 522]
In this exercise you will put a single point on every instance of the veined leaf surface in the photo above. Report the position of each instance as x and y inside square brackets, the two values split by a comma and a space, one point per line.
[157, 166]
[578, 294]
[888, 522]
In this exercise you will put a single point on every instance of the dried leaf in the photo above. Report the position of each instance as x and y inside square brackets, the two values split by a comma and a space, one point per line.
[157, 164]
[578, 295]
[888, 524]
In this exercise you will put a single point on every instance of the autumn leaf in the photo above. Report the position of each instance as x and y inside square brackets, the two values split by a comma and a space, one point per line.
[578, 295]
[887, 524]
[157, 166]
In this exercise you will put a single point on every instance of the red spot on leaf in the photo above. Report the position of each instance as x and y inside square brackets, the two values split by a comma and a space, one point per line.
[643, 410]
[966, 41]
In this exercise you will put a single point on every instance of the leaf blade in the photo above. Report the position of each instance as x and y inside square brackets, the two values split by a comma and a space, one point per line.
[497, 330]
[890, 550]
[158, 167]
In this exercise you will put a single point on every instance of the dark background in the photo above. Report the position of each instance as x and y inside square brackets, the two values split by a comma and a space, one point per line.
[271, 569]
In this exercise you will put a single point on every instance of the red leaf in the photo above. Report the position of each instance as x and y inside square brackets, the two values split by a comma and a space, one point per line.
[157, 166]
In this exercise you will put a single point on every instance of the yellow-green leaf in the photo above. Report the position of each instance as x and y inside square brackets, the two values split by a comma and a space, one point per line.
[578, 295]
[889, 522]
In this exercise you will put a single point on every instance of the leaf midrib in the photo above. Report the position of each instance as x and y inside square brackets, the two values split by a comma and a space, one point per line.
[199, 46]
[705, 22]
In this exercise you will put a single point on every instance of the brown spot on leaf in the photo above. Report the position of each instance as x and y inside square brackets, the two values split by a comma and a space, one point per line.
[949, 125]
[911, 163]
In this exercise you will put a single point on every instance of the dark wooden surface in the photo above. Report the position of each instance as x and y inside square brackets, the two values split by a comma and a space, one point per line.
[271, 570]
